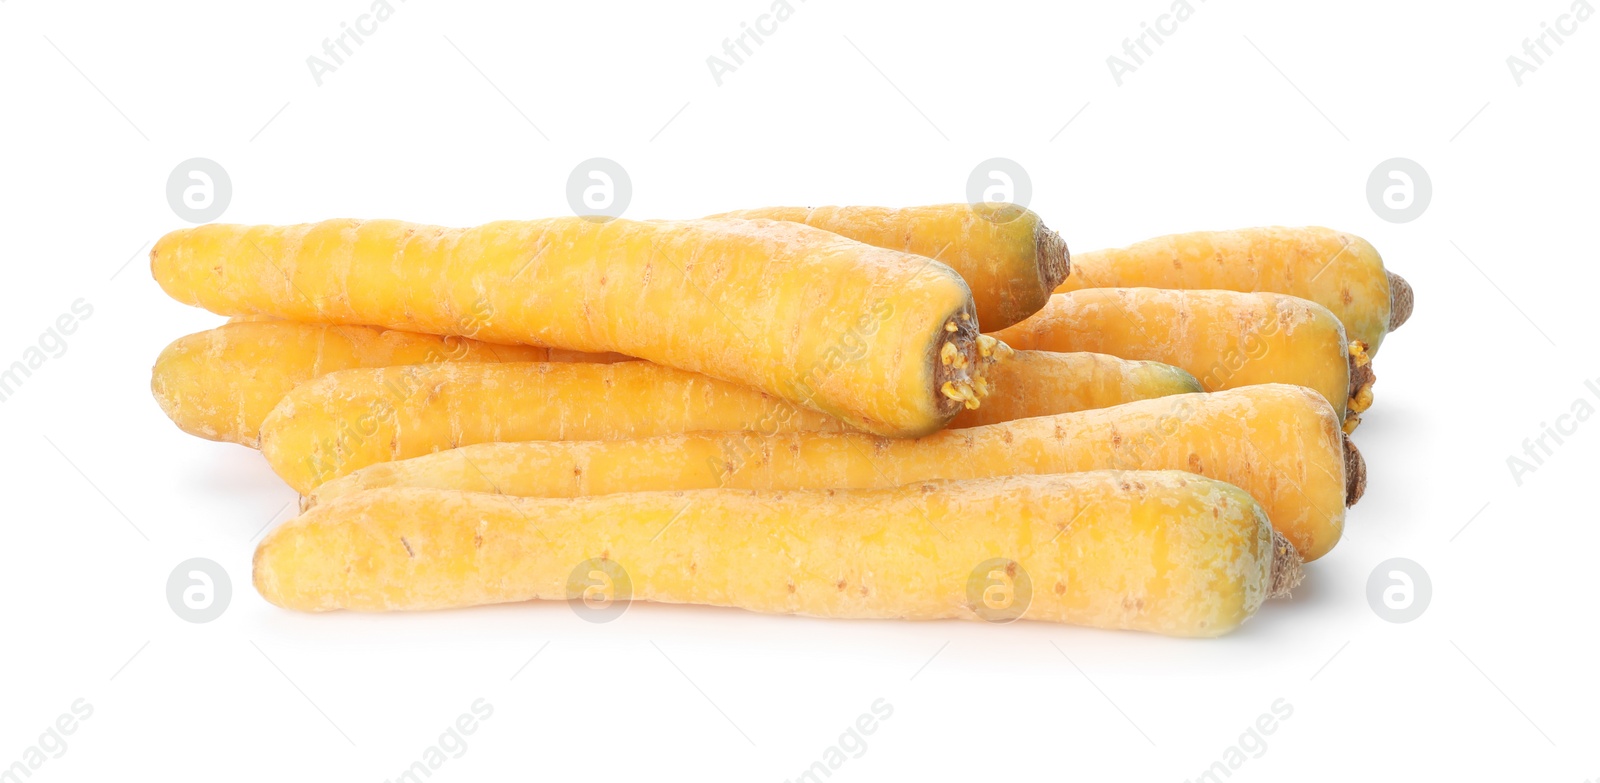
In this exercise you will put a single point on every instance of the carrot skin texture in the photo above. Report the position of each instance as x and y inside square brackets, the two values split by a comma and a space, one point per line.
[1165, 552]
[1044, 383]
[221, 383]
[1339, 271]
[1281, 444]
[1009, 258]
[1226, 339]
[841, 327]
[346, 421]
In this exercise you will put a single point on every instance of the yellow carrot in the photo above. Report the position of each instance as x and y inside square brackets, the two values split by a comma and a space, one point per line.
[1226, 339]
[838, 326]
[220, 384]
[1006, 254]
[1339, 271]
[1044, 383]
[1279, 443]
[1171, 553]
[347, 420]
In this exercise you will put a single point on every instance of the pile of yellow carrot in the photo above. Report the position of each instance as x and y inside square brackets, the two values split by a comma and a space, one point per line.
[930, 412]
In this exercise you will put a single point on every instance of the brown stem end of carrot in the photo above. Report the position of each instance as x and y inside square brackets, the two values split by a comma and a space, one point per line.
[1055, 261]
[1288, 570]
[1401, 300]
[1355, 473]
[961, 363]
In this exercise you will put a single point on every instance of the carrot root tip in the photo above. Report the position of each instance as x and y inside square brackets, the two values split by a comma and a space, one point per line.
[1401, 300]
[1355, 473]
[1288, 570]
[1055, 261]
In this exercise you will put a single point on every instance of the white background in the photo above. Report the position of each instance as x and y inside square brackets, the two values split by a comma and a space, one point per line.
[1251, 113]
